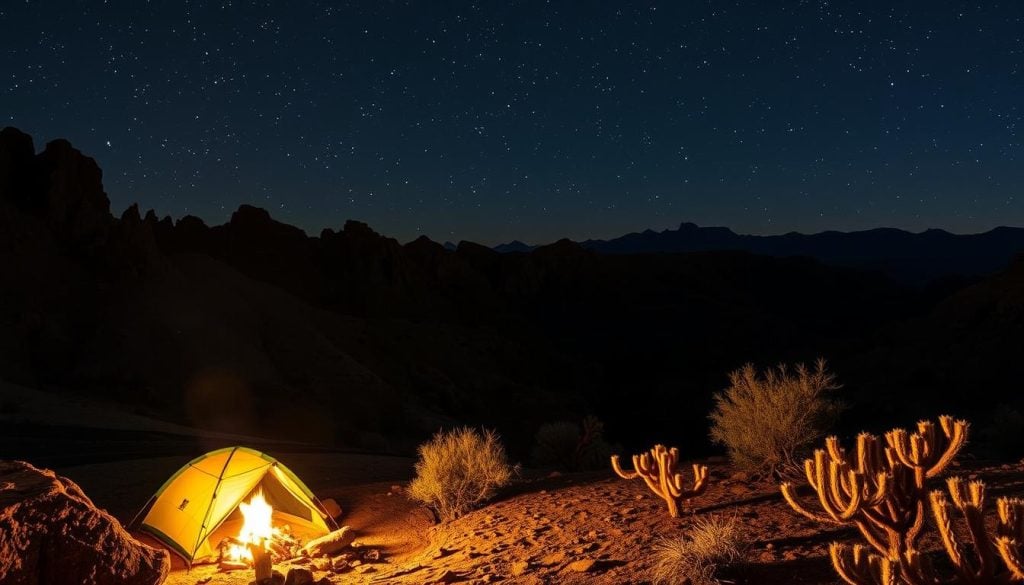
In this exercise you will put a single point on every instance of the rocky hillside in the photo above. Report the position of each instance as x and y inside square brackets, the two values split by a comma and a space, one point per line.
[349, 337]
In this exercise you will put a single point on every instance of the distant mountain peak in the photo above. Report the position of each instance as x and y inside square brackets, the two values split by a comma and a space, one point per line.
[513, 246]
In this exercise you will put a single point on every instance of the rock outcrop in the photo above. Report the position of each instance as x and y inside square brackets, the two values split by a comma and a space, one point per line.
[50, 532]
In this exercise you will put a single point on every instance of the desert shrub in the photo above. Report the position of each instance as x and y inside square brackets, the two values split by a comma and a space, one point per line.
[701, 557]
[460, 469]
[571, 446]
[768, 420]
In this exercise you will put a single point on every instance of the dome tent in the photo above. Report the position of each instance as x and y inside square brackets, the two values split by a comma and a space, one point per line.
[198, 505]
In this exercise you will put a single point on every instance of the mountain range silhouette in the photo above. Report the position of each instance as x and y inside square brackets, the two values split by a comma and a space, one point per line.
[352, 338]
[915, 258]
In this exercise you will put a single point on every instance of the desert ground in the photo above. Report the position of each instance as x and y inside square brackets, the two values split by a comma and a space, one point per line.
[546, 528]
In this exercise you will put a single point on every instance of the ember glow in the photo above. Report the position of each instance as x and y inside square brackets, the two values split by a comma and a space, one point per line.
[257, 528]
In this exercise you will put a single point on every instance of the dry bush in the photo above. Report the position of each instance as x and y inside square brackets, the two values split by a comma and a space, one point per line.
[702, 556]
[458, 470]
[768, 420]
[571, 446]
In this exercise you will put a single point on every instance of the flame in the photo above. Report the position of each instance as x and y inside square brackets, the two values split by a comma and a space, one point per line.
[257, 528]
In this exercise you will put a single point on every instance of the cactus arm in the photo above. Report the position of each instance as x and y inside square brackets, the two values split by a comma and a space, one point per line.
[789, 494]
[955, 432]
[973, 514]
[916, 570]
[1011, 518]
[1011, 535]
[700, 480]
[879, 536]
[940, 511]
[1010, 553]
[857, 566]
[619, 471]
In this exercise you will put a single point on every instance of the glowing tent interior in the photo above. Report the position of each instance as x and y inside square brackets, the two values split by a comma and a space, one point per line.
[203, 502]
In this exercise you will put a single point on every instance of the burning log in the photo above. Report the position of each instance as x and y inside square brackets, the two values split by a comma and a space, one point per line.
[262, 564]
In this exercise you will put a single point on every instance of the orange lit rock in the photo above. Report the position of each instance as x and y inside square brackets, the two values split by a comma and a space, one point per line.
[50, 532]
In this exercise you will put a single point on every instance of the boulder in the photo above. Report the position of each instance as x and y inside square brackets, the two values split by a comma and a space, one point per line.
[50, 532]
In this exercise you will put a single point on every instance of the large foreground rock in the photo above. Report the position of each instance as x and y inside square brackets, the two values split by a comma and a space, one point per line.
[50, 532]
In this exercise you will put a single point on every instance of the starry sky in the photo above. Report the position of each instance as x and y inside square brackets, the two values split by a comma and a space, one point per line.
[496, 121]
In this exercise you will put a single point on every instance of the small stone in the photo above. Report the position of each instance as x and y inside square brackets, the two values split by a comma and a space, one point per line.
[582, 565]
[553, 559]
[519, 568]
[372, 555]
[299, 576]
[322, 564]
[441, 553]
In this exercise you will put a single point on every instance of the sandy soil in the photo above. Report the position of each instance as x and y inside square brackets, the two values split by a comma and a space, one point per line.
[537, 532]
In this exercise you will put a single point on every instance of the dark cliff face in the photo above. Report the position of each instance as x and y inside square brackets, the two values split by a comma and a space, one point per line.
[253, 325]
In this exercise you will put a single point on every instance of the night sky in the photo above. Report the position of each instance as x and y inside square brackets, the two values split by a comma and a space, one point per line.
[532, 120]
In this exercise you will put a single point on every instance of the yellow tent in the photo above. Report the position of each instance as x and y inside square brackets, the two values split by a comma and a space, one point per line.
[198, 505]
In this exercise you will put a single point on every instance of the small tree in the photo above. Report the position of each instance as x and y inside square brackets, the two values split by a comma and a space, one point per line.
[460, 469]
[768, 420]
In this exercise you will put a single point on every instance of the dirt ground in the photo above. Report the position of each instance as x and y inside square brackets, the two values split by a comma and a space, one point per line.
[574, 528]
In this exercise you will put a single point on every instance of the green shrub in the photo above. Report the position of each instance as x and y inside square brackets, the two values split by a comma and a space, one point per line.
[768, 420]
[571, 446]
[701, 557]
[458, 470]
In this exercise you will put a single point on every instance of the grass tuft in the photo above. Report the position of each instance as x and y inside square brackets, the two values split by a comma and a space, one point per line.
[699, 558]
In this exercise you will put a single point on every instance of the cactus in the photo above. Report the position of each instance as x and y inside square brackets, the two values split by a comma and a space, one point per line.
[659, 471]
[881, 490]
[995, 560]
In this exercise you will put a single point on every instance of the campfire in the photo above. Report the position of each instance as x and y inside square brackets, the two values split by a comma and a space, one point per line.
[258, 533]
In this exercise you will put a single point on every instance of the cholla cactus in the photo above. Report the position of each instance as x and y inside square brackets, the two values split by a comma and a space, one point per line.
[992, 560]
[881, 488]
[659, 471]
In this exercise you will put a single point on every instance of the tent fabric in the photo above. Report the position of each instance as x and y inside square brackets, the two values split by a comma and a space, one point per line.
[190, 506]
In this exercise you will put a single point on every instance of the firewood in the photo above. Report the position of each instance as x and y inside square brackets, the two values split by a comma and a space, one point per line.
[331, 543]
[227, 565]
[262, 563]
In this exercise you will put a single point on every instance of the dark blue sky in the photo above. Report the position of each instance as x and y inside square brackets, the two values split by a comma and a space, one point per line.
[535, 120]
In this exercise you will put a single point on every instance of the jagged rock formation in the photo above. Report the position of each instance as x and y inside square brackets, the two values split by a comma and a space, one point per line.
[255, 326]
[50, 532]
